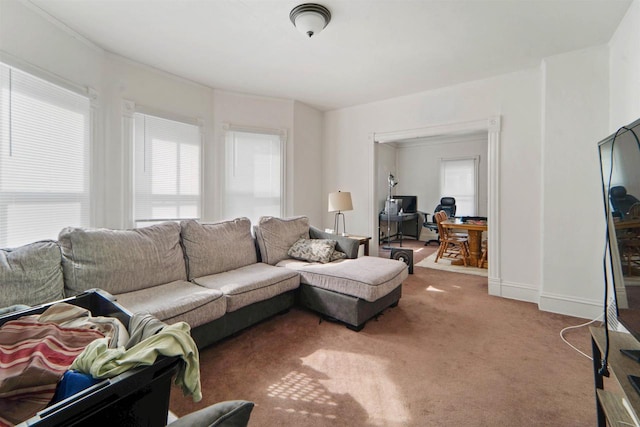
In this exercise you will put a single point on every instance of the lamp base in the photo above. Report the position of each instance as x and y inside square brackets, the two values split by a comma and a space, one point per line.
[336, 224]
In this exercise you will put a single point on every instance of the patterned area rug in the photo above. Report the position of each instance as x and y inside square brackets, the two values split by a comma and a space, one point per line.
[445, 265]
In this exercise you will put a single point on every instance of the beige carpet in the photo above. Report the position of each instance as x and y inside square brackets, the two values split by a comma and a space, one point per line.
[445, 265]
[448, 355]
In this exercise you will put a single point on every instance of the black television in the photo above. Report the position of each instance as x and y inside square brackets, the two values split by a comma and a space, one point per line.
[620, 167]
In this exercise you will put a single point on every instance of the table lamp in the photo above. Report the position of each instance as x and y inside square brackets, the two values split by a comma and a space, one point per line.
[339, 202]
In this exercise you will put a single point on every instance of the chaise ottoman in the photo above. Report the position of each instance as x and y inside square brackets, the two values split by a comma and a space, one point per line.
[350, 290]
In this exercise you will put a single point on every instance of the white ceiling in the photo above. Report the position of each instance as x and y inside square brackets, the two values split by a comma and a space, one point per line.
[371, 50]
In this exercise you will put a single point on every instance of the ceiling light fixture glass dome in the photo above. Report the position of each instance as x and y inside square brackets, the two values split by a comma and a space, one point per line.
[310, 18]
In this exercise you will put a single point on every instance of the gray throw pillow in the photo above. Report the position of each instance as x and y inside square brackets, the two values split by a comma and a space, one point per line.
[313, 250]
[232, 413]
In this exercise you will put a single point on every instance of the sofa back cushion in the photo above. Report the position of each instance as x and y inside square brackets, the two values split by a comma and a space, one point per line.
[121, 261]
[31, 274]
[217, 247]
[276, 235]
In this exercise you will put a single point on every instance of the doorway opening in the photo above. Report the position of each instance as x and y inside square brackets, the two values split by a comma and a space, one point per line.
[383, 161]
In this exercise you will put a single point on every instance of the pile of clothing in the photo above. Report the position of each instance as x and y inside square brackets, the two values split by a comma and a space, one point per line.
[45, 358]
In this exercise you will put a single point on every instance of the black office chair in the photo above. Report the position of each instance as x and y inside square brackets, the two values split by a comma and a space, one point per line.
[447, 204]
[621, 202]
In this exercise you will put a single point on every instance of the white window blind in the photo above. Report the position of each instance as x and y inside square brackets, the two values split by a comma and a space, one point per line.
[254, 169]
[459, 179]
[44, 158]
[167, 165]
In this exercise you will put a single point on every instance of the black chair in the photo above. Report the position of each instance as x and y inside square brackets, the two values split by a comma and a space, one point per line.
[447, 204]
[621, 202]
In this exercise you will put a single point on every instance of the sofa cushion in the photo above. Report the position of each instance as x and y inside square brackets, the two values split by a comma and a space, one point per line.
[217, 247]
[31, 274]
[369, 278]
[252, 283]
[178, 301]
[121, 261]
[276, 235]
[313, 250]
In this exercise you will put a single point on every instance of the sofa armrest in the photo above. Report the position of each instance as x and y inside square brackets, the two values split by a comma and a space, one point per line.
[345, 244]
[233, 413]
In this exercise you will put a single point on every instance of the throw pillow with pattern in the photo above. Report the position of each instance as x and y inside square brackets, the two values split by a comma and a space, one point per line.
[313, 250]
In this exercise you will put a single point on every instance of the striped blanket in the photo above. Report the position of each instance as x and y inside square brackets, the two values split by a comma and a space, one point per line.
[33, 358]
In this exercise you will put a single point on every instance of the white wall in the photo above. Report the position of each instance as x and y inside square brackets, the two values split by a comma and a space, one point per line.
[307, 176]
[517, 98]
[624, 76]
[37, 40]
[386, 163]
[419, 167]
[575, 118]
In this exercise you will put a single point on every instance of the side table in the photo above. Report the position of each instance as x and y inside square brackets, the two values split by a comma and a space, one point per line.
[364, 240]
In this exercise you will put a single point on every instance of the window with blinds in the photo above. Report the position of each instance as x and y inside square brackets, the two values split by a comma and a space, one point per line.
[459, 179]
[44, 158]
[167, 170]
[254, 170]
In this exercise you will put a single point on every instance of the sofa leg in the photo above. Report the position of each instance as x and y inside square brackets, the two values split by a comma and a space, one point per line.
[355, 328]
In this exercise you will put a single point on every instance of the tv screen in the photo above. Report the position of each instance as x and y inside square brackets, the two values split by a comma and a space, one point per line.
[620, 163]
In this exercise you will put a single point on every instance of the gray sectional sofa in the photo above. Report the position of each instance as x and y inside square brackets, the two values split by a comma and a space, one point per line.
[217, 277]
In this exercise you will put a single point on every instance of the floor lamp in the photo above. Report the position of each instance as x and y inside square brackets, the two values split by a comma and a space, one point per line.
[392, 183]
[339, 202]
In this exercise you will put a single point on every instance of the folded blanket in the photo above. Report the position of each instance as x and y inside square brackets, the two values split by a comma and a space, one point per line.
[72, 316]
[173, 340]
[33, 358]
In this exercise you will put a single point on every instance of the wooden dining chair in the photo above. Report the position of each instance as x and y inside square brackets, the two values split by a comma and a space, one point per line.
[485, 251]
[451, 246]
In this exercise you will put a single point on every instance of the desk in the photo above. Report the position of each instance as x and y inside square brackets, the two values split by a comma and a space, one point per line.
[363, 241]
[399, 219]
[475, 229]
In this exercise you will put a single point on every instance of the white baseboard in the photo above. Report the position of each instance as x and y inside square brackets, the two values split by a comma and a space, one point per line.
[511, 290]
[554, 303]
[571, 306]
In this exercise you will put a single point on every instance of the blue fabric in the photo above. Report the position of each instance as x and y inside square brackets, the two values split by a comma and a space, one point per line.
[71, 383]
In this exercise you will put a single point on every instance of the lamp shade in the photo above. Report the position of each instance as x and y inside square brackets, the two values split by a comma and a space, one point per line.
[340, 201]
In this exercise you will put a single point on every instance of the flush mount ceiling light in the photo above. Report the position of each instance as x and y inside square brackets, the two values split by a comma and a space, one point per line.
[310, 18]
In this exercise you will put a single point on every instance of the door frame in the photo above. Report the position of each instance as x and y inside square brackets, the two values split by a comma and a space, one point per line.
[492, 125]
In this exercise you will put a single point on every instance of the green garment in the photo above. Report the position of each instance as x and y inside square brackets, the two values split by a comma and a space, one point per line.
[100, 361]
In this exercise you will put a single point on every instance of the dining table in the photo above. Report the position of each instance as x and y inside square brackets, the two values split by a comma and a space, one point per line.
[474, 228]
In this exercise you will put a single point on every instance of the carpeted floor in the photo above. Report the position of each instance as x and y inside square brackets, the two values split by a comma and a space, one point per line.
[448, 355]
